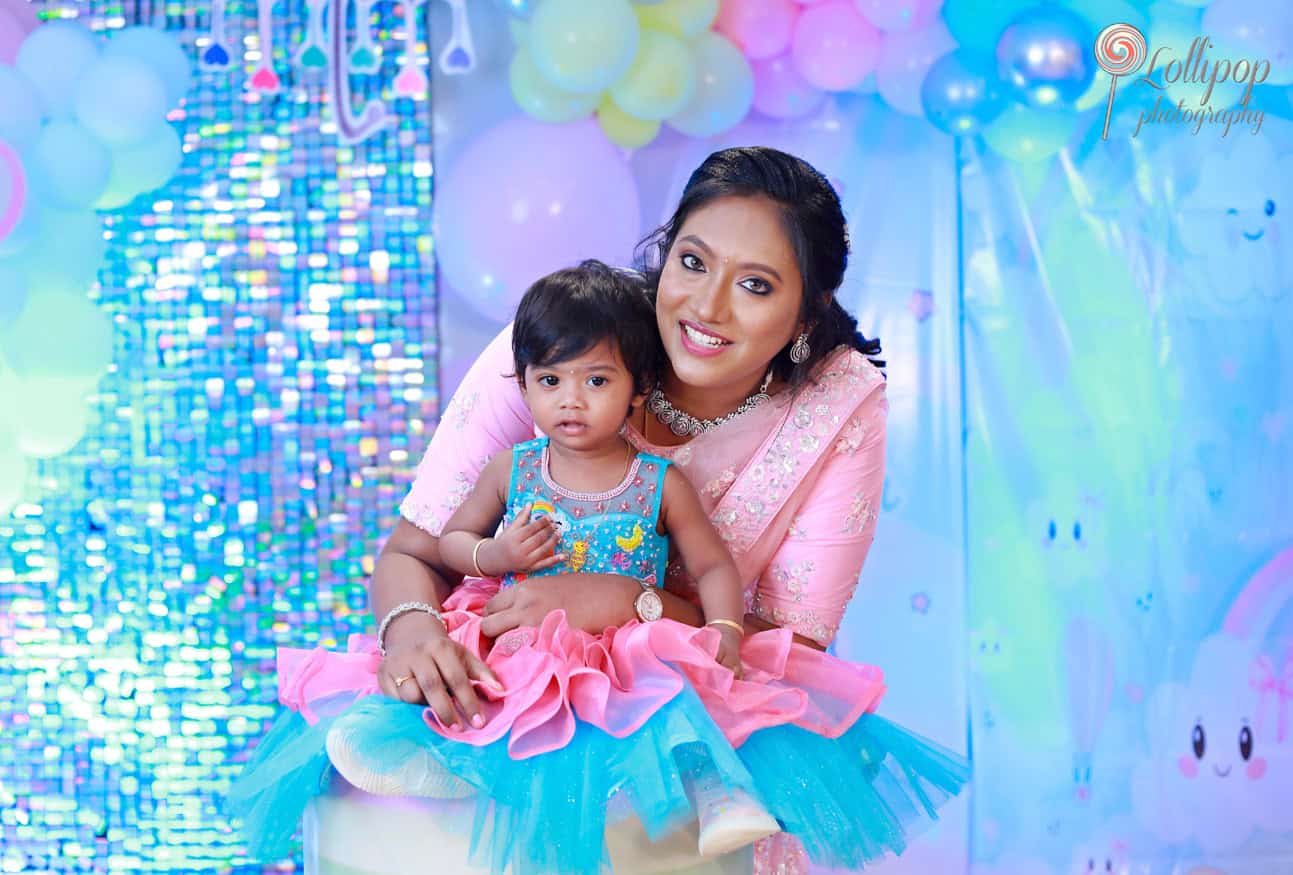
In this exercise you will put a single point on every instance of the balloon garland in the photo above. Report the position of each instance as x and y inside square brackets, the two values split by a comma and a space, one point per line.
[83, 129]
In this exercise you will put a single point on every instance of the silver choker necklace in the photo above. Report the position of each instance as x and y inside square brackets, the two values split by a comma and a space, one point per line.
[684, 423]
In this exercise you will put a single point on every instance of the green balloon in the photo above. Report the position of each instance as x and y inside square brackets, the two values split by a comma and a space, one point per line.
[1024, 134]
[59, 335]
[661, 79]
[540, 98]
[583, 47]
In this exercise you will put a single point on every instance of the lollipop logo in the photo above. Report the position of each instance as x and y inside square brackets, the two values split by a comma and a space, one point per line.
[1120, 50]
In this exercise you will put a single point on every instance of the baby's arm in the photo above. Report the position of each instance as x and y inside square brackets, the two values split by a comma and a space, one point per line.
[707, 560]
[524, 545]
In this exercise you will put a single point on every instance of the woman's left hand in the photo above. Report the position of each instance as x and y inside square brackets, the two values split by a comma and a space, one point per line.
[592, 602]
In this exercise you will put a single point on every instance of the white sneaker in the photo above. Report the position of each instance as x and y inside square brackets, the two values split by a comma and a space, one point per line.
[729, 819]
[419, 774]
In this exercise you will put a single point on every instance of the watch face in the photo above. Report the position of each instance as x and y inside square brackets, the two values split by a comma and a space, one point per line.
[649, 606]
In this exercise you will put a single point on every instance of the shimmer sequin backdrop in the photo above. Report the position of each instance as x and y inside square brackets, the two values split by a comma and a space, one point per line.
[274, 369]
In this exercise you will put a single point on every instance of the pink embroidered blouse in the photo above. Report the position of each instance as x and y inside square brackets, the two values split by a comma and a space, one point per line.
[793, 486]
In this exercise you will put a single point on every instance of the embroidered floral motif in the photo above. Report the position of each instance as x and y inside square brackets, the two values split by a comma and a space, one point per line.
[860, 514]
[422, 515]
[716, 487]
[457, 493]
[759, 494]
[855, 433]
[459, 410]
[796, 529]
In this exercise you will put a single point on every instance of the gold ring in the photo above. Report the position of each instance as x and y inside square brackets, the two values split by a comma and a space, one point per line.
[401, 679]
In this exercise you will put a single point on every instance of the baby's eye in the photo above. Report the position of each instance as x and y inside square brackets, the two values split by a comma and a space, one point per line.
[692, 262]
[548, 380]
[597, 381]
[756, 285]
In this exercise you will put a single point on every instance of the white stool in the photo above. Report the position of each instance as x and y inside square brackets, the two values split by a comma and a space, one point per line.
[349, 832]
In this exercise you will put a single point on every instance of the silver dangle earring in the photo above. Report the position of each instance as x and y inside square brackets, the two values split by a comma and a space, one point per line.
[799, 349]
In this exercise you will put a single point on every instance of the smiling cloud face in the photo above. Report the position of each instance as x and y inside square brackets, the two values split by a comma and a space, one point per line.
[1237, 229]
[1217, 773]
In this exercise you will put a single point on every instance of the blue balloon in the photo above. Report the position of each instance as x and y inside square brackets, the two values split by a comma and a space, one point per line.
[1046, 57]
[977, 25]
[68, 166]
[961, 94]
[161, 51]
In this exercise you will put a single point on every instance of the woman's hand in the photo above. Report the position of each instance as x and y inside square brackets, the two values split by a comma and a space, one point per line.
[436, 670]
[592, 602]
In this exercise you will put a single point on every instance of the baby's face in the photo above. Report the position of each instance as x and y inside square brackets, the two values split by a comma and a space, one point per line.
[581, 403]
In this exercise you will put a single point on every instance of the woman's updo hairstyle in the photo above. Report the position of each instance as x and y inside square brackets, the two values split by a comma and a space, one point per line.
[814, 222]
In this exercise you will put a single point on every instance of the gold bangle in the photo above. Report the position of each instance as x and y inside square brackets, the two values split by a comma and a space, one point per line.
[729, 623]
[475, 551]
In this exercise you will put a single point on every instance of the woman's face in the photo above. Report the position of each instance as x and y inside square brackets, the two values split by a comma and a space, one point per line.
[729, 294]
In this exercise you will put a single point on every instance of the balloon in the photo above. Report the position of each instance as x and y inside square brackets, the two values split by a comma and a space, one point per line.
[905, 58]
[59, 335]
[977, 25]
[1099, 14]
[779, 90]
[960, 94]
[583, 47]
[54, 57]
[1252, 30]
[17, 19]
[761, 28]
[142, 168]
[682, 18]
[13, 189]
[20, 110]
[833, 46]
[501, 223]
[1021, 133]
[540, 98]
[899, 14]
[120, 100]
[1176, 27]
[67, 260]
[13, 292]
[1045, 56]
[69, 165]
[26, 232]
[519, 8]
[661, 80]
[724, 88]
[54, 416]
[624, 130]
[159, 50]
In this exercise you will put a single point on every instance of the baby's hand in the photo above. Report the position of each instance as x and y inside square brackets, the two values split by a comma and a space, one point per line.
[729, 649]
[524, 545]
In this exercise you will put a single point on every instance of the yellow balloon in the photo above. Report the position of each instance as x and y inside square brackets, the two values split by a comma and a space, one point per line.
[661, 79]
[683, 18]
[540, 98]
[623, 129]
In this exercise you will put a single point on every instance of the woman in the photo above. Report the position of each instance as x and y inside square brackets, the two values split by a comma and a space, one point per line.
[745, 275]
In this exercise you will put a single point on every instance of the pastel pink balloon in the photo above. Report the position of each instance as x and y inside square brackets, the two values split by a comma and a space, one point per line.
[779, 90]
[905, 59]
[833, 46]
[899, 14]
[761, 28]
[17, 19]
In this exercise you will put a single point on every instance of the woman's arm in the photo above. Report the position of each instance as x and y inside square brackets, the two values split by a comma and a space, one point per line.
[592, 602]
[812, 576]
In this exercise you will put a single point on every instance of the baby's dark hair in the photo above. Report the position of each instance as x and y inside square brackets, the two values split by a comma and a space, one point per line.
[568, 312]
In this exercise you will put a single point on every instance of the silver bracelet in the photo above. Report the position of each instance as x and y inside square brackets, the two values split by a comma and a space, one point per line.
[399, 610]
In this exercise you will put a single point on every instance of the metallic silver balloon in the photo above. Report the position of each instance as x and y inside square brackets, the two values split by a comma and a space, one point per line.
[1045, 57]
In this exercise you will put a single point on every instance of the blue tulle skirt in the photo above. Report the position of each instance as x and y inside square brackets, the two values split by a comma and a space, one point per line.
[851, 800]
